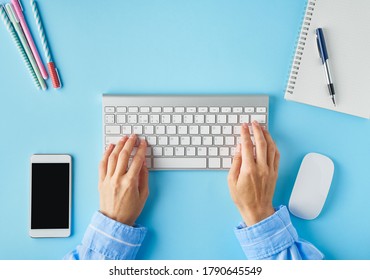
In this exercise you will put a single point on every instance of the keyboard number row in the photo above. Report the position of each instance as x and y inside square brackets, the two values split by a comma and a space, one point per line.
[186, 119]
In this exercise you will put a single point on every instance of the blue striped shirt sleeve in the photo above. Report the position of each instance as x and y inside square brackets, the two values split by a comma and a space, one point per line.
[107, 239]
[275, 238]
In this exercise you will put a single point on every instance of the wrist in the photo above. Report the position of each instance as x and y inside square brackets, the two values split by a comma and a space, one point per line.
[253, 216]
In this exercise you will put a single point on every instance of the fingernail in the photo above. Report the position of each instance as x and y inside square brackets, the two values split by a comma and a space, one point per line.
[255, 123]
[123, 138]
[245, 125]
[132, 136]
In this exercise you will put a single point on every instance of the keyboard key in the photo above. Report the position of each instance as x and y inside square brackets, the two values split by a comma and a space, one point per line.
[261, 109]
[259, 118]
[221, 118]
[156, 109]
[168, 151]
[214, 109]
[176, 119]
[179, 109]
[163, 140]
[226, 162]
[112, 139]
[199, 119]
[179, 151]
[210, 118]
[230, 141]
[126, 129]
[224, 151]
[190, 151]
[185, 140]
[188, 118]
[137, 129]
[249, 109]
[196, 140]
[167, 109]
[157, 151]
[121, 118]
[238, 110]
[143, 118]
[182, 129]
[175, 163]
[244, 119]
[191, 109]
[109, 109]
[171, 129]
[203, 109]
[232, 119]
[112, 129]
[154, 118]
[216, 129]
[226, 109]
[131, 118]
[218, 140]
[166, 118]
[237, 129]
[133, 109]
[204, 129]
[227, 129]
[193, 129]
[207, 140]
[151, 140]
[160, 129]
[145, 109]
[202, 151]
[109, 118]
[174, 140]
[212, 151]
[121, 109]
[148, 129]
[214, 163]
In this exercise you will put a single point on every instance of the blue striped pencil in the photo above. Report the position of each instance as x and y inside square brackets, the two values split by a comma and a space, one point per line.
[51, 66]
[19, 45]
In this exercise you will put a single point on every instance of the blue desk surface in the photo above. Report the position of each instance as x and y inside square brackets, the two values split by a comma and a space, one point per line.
[165, 46]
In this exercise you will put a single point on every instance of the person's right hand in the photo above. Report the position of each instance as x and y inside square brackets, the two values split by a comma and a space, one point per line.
[252, 179]
[123, 192]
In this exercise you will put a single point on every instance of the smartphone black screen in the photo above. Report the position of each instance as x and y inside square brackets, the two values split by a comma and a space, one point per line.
[50, 196]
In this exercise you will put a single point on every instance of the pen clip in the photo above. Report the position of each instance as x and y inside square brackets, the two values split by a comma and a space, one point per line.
[318, 45]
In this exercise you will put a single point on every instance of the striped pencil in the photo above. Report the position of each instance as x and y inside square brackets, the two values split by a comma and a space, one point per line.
[19, 46]
[51, 66]
[17, 27]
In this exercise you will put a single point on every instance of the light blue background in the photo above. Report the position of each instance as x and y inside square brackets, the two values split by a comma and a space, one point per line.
[153, 46]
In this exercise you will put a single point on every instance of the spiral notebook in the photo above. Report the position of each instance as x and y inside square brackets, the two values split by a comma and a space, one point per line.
[346, 24]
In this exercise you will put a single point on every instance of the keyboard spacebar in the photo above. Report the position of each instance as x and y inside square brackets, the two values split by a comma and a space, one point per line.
[179, 163]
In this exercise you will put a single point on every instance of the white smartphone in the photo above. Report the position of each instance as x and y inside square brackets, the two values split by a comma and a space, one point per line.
[50, 206]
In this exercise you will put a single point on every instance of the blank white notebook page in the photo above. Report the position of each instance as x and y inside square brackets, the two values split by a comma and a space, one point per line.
[346, 25]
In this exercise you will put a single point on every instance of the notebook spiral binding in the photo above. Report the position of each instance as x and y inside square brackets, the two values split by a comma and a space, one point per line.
[301, 42]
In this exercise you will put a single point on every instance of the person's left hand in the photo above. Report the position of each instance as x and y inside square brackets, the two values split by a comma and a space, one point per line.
[123, 192]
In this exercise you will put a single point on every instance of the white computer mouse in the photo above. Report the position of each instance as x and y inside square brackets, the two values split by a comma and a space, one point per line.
[311, 186]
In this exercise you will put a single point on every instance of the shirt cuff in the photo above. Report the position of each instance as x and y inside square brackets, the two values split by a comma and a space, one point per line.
[268, 237]
[113, 239]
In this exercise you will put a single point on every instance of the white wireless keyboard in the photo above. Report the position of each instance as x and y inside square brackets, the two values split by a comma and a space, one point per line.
[183, 131]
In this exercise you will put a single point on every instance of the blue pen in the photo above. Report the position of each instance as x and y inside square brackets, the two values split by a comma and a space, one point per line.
[321, 45]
